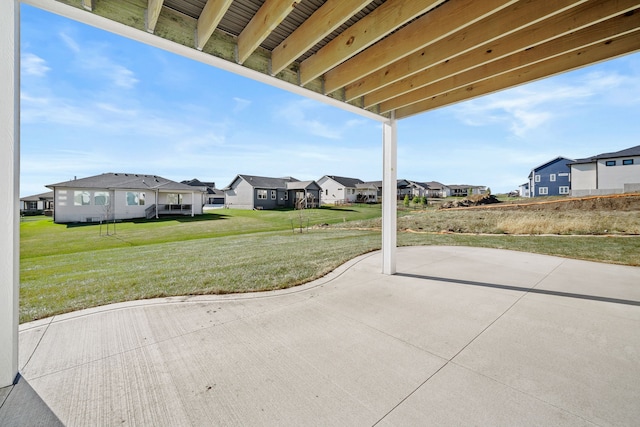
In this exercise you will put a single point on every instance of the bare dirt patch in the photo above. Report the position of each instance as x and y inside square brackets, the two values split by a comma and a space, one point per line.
[616, 202]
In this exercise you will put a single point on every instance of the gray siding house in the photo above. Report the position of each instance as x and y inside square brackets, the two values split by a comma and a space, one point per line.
[259, 192]
[37, 204]
[607, 173]
[118, 196]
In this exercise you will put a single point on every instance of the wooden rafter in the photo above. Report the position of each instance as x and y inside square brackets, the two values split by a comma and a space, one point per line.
[211, 15]
[382, 21]
[383, 59]
[268, 17]
[327, 18]
[153, 13]
[579, 58]
[434, 26]
[500, 24]
[519, 44]
[601, 32]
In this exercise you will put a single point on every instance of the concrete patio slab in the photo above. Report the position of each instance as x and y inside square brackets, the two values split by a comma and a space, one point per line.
[459, 336]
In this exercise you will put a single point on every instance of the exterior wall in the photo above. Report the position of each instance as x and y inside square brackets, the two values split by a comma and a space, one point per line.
[66, 209]
[553, 179]
[615, 177]
[268, 203]
[583, 177]
[332, 191]
[599, 179]
[240, 196]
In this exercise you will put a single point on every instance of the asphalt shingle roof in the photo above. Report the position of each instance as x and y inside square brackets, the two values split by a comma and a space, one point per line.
[627, 152]
[347, 182]
[125, 181]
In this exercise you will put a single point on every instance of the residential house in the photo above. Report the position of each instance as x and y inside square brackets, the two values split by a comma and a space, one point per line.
[465, 190]
[404, 188]
[259, 192]
[367, 192]
[437, 189]
[339, 189]
[523, 190]
[552, 178]
[118, 196]
[37, 204]
[212, 197]
[378, 188]
[607, 173]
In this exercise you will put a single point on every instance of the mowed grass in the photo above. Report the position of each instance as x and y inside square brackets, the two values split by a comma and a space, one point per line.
[70, 268]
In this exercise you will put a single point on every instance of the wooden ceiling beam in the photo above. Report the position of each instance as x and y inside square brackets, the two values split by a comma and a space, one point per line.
[504, 22]
[373, 27]
[589, 55]
[325, 20]
[209, 19]
[601, 32]
[559, 25]
[268, 17]
[152, 14]
[424, 31]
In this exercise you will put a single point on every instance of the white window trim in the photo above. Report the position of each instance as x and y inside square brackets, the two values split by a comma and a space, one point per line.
[552, 177]
[536, 178]
[274, 194]
[543, 191]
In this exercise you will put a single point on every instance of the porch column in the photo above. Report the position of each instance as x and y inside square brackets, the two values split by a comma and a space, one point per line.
[389, 190]
[9, 188]
[193, 204]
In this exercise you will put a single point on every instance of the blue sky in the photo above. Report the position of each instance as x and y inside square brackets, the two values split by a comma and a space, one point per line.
[94, 102]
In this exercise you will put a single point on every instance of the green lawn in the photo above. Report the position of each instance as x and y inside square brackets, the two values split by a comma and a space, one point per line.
[66, 268]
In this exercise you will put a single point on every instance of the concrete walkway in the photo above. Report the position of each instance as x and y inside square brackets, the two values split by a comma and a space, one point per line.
[460, 336]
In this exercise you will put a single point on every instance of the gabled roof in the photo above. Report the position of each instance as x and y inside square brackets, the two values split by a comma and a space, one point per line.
[544, 165]
[125, 181]
[627, 152]
[263, 181]
[435, 185]
[42, 196]
[347, 182]
[195, 182]
[302, 185]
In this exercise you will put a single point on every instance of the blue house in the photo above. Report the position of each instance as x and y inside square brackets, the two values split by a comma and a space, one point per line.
[552, 178]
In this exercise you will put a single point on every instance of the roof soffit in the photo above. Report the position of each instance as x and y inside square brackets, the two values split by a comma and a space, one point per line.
[381, 57]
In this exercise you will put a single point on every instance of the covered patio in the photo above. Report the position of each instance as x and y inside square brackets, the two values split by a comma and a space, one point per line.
[383, 60]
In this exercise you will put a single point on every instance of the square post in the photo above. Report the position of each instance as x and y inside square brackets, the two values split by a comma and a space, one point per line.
[9, 188]
[389, 194]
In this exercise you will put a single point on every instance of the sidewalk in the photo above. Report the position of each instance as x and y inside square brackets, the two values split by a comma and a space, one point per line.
[460, 336]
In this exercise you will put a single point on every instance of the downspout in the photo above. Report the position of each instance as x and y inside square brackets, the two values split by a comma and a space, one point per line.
[157, 203]
[193, 204]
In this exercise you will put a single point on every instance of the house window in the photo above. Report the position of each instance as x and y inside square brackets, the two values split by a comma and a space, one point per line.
[286, 195]
[563, 189]
[81, 198]
[537, 178]
[101, 198]
[262, 194]
[135, 198]
[610, 163]
[543, 191]
[273, 194]
[627, 162]
[32, 205]
[174, 199]
[552, 177]
[326, 192]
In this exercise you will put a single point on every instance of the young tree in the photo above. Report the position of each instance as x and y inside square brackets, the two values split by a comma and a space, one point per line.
[406, 200]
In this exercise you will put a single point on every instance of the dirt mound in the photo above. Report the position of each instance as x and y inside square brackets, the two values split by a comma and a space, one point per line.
[473, 200]
[615, 202]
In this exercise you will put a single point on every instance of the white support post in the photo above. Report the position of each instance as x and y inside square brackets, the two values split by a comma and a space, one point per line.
[9, 188]
[389, 195]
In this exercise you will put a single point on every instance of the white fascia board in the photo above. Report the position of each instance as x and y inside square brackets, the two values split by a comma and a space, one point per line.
[97, 21]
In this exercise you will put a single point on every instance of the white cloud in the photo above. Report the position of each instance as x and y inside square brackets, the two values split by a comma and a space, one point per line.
[297, 114]
[95, 58]
[240, 104]
[33, 65]
[530, 107]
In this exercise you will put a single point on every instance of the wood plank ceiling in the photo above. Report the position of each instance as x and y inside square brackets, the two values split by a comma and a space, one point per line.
[401, 56]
